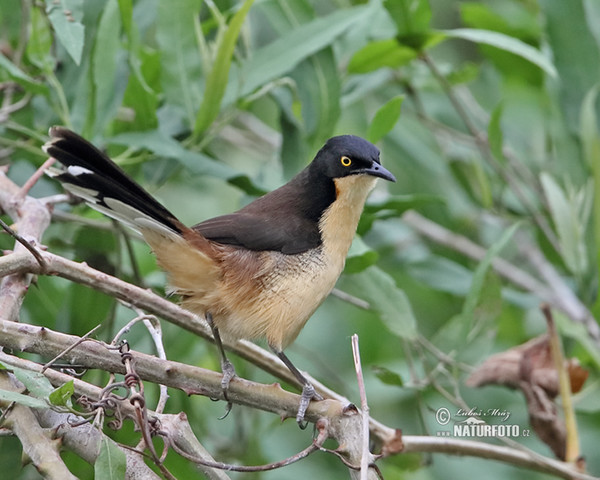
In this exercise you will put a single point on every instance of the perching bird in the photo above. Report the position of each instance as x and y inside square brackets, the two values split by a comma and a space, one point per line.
[259, 272]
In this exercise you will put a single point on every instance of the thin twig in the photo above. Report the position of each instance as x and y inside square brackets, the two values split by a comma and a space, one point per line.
[26, 244]
[313, 447]
[71, 347]
[351, 299]
[572, 452]
[31, 181]
[364, 406]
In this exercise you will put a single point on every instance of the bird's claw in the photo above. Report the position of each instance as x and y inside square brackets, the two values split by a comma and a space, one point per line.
[228, 373]
[308, 393]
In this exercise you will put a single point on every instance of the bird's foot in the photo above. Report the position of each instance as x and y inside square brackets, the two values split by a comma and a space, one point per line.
[228, 371]
[308, 393]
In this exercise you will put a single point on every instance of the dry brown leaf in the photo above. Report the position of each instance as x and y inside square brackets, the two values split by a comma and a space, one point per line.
[530, 368]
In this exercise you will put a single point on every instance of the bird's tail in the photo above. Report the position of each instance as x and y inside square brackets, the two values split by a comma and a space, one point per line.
[91, 175]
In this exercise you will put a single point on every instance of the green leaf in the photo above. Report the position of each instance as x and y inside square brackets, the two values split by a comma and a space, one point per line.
[284, 54]
[483, 303]
[504, 42]
[578, 332]
[380, 54]
[65, 18]
[140, 98]
[217, 78]
[495, 136]
[181, 64]
[479, 277]
[387, 300]
[317, 84]
[360, 256]
[25, 400]
[590, 139]
[37, 384]
[575, 53]
[40, 42]
[385, 118]
[126, 11]
[16, 74]
[569, 225]
[197, 163]
[411, 16]
[62, 395]
[104, 64]
[387, 376]
[394, 206]
[111, 462]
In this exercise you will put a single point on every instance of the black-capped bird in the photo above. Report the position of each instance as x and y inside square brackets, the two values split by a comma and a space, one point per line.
[259, 272]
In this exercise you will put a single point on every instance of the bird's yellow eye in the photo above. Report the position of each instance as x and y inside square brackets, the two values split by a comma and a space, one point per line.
[345, 161]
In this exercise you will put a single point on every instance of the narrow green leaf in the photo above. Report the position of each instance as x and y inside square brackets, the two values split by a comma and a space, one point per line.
[21, 77]
[217, 79]
[104, 65]
[126, 10]
[62, 395]
[196, 163]
[282, 55]
[479, 276]
[385, 118]
[568, 226]
[380, 54]
[65, 17]
[360, 256]
[25, 400]
[387, 376]
[141, 99]
[578, 332]
[411, 16]
[394, 206]
[40, 42]
[504, 42]
[495, 136]
[482, 304]
[385, 298]
[590, 138]
[111, 462]
[317, 83]
[181, 73]
[35, 382]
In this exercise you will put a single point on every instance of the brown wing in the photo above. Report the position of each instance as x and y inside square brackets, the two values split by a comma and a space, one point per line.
[277, 231]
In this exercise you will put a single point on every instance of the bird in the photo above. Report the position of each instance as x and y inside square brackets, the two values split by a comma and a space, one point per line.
[259, 272]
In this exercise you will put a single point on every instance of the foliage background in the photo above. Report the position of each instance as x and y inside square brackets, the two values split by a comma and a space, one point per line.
[152, 82]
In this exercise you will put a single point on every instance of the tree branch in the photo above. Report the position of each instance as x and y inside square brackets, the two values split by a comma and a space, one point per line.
[518, 458]
[38, 447]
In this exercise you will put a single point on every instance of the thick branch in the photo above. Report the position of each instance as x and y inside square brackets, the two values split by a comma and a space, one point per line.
[518, 458]
[192, 380]
[39, 448]
[30, 227]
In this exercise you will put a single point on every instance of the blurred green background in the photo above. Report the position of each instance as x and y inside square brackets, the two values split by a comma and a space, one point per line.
[486, 112]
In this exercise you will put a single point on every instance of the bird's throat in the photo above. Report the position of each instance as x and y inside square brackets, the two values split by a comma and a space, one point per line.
[339, 221]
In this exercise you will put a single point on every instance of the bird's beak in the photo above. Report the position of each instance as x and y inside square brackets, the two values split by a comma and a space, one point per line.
[378, 170]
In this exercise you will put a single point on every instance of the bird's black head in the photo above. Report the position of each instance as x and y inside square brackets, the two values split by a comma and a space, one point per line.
[350, 155]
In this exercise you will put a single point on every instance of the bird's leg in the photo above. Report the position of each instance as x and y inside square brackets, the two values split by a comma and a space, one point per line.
[226, 366]
[308, 391]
